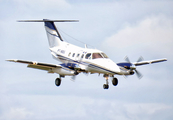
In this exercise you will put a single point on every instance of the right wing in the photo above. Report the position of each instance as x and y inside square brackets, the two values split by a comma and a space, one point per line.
[38, 65]
[149, 62]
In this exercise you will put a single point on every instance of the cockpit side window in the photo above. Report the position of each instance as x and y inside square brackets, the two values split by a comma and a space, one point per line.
[88, 56]
[96, 55]
[78, 55]
[104, 55]
[69, 54]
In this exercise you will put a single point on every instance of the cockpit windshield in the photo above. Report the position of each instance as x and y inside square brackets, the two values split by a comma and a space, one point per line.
[96, 55]
[104, 55]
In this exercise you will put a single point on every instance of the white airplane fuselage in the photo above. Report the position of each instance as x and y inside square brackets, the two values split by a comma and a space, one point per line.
[77, 56]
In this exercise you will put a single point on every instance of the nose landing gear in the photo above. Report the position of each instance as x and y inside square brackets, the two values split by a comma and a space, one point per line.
[106, 86]
[114, 82]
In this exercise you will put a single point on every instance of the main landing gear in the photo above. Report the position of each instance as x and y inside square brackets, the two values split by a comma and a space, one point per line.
[105, 86]
[58, 81]
[114, 82]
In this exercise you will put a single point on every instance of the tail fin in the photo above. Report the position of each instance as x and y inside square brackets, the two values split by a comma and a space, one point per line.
[53, 35]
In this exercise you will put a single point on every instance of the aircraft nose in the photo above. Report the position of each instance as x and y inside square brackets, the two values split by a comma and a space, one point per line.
[112, 66]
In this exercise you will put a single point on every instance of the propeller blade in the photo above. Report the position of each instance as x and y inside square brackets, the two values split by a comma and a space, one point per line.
[73, 78]
[86, 73]
[132, 67]
[139, 75]
[125, 76]
[127, 59]
[140, 59]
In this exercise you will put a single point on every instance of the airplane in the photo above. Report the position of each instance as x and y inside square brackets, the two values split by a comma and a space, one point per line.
[77, 60]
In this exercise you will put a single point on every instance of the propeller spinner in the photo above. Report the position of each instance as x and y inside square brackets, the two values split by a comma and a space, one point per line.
[133, 67]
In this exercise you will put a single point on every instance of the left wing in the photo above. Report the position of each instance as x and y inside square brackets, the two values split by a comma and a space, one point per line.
[149, 62]
[37, 65]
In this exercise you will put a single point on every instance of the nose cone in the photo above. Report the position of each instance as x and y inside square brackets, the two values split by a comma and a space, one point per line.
[111, 65]
[108, 64]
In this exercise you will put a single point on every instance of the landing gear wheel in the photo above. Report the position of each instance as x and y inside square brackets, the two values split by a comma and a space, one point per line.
[58, 82]
[115, 81]
[105, 86]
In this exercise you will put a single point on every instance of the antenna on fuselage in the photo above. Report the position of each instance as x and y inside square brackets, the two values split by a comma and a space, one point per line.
[86, 46]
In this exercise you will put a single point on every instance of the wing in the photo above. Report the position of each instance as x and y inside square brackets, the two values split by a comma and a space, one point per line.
[38, 65]
[149, 62]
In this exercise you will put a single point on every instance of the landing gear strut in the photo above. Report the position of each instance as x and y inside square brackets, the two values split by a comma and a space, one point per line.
[58, 81]
[114, 81]
[106, 86]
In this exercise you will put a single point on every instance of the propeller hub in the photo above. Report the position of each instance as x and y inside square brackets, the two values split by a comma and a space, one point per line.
[133, 67]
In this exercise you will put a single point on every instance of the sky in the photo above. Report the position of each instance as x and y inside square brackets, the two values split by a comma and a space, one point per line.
[119, 28]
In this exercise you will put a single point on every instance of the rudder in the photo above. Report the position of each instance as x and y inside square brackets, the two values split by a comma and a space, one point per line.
[53, 35]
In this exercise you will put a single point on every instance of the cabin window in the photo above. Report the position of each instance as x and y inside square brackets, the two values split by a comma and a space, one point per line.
[96, 55]
[104, 55]
[82, 56]
[88, 56]
[78, 55]
[73, 55]
[69, 54]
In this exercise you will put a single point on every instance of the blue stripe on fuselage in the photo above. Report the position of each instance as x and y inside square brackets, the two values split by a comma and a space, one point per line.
[85, 63]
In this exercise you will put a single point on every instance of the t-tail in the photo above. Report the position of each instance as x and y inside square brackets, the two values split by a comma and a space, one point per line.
[53, 35]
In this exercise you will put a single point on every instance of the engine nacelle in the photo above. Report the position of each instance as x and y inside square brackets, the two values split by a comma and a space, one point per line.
[64, 71]
[125, 65]
[131, 72]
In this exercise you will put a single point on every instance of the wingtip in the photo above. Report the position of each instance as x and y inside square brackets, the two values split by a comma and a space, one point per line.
[11, 60]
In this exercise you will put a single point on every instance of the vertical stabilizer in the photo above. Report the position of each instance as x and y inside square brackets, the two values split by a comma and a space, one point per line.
[53, 35]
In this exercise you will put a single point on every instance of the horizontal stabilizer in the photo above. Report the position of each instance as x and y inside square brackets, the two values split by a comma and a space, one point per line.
[47, 20]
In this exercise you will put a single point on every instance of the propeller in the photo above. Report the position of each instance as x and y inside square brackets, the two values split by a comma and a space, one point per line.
[139, 75]
[127, 59]
[133, 67]
[73, 78]
[140, 59]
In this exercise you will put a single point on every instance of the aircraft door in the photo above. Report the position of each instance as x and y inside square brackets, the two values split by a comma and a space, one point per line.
[79, 56]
